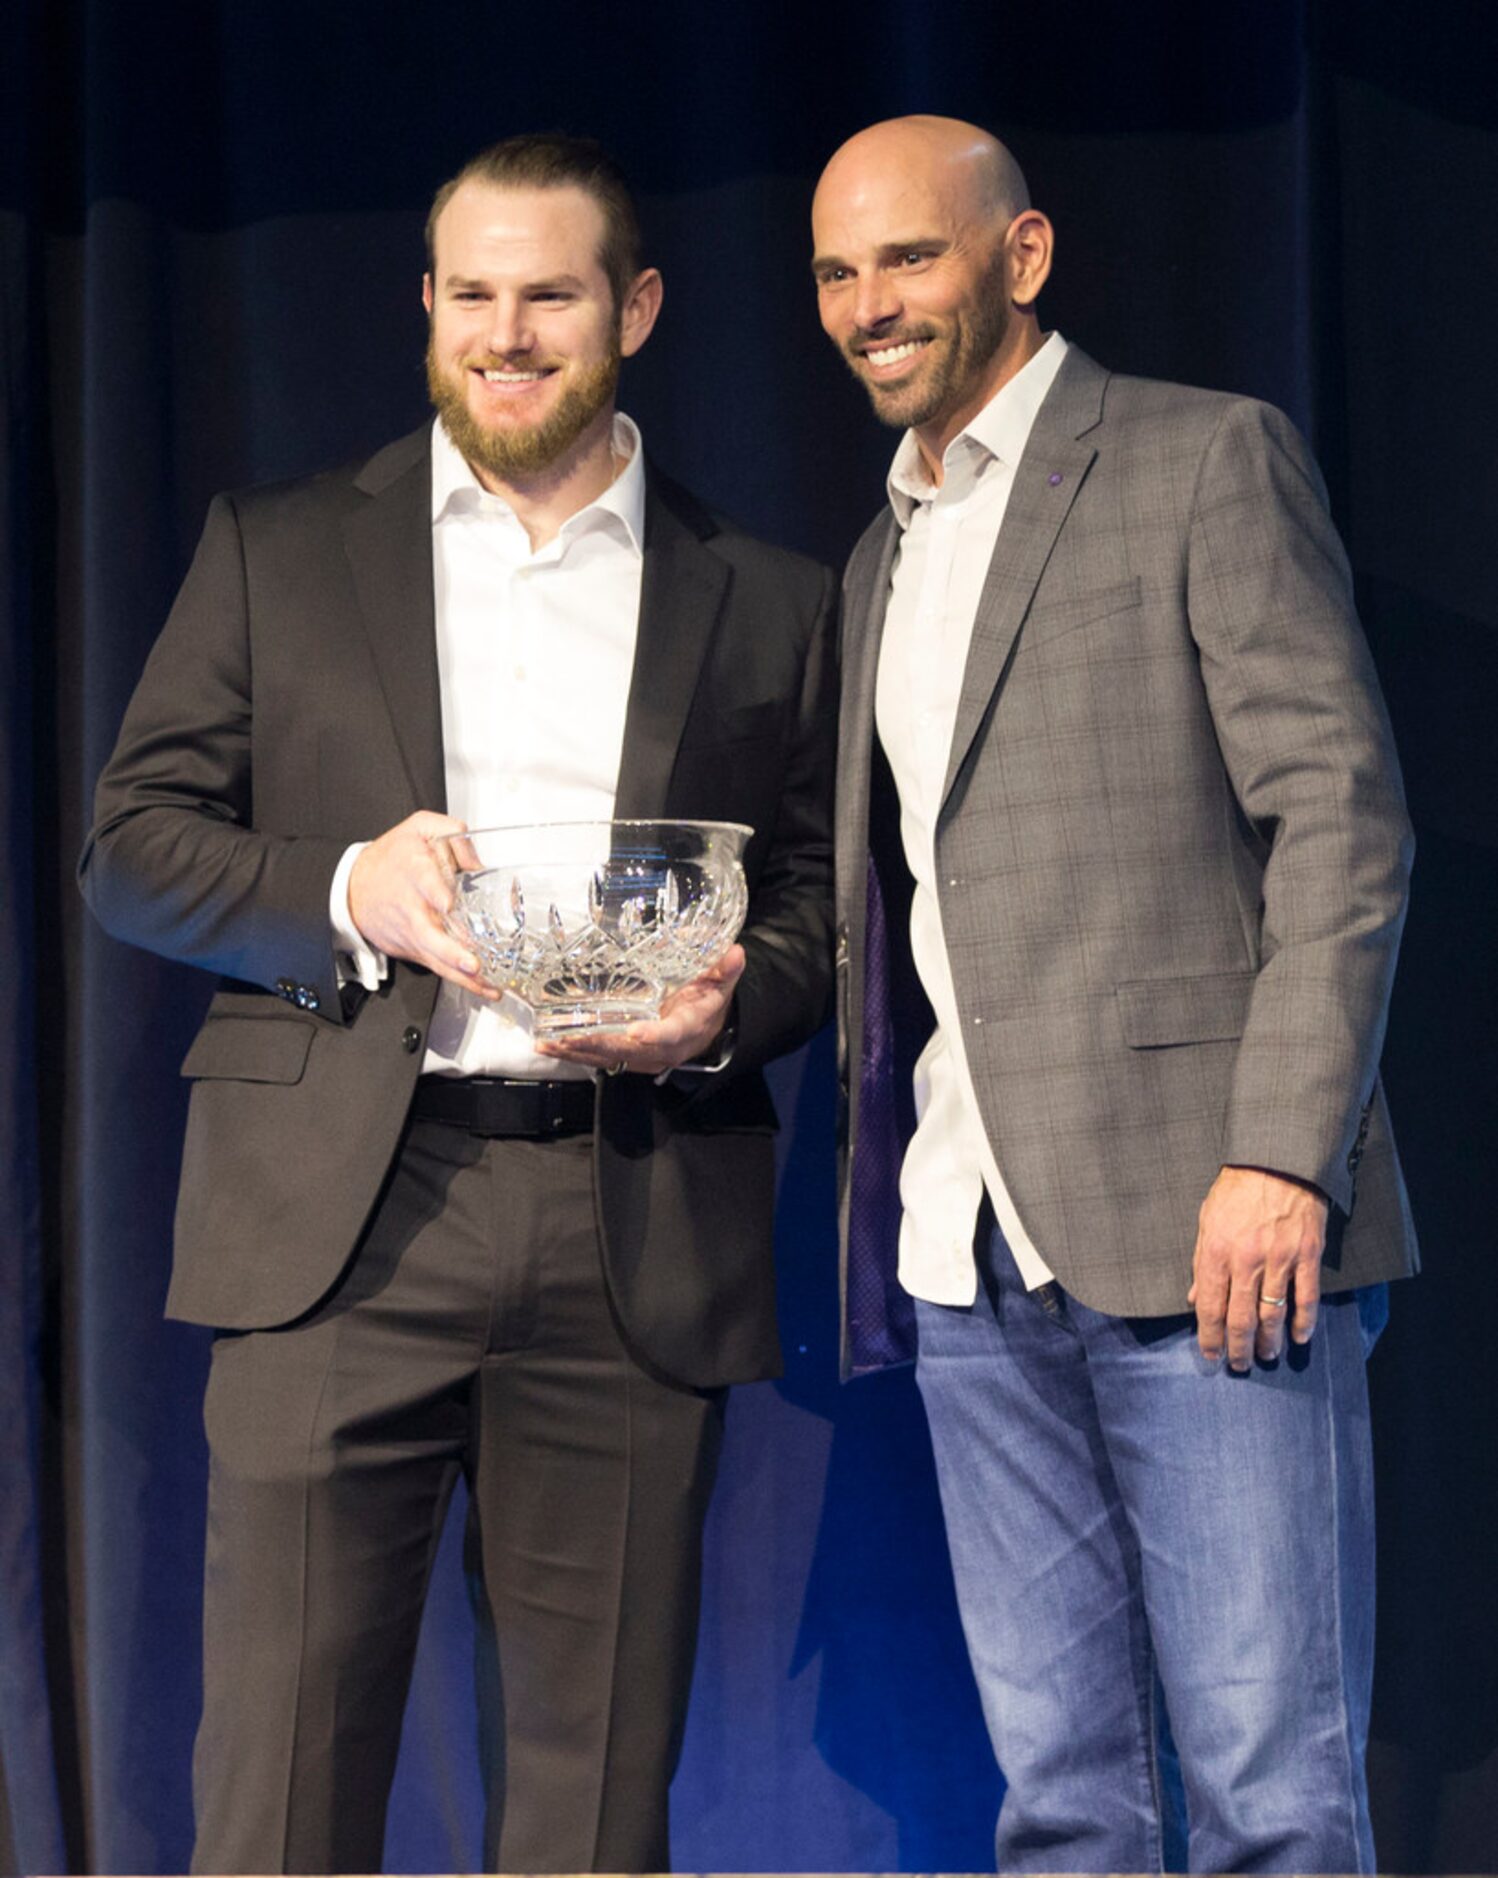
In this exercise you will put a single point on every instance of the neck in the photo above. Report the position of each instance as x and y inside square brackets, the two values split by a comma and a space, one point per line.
[544, 501]
[1022, 340]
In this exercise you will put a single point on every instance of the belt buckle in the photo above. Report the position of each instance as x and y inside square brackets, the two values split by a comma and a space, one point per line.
[551, 1119]
[549, 1106]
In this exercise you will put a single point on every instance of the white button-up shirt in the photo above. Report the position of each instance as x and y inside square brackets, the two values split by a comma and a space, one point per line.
[534, 651]
[946, 544]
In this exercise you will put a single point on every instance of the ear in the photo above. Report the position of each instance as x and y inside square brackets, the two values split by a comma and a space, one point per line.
[1028, 242]
[642, 305]
[426, 293]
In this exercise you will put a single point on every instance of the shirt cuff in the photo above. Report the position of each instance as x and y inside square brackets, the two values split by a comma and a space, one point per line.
[358, 961]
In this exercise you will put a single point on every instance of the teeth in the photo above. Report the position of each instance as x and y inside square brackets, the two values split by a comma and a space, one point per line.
[512, 378]
[891, 355]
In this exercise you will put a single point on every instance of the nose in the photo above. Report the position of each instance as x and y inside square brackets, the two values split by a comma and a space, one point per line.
[508, 329]
[875, 301]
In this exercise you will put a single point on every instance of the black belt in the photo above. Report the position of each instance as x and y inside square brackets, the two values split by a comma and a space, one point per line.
[489, 1105]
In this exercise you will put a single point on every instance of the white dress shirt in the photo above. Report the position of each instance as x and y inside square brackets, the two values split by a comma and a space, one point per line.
[534, 653]
[946, 543]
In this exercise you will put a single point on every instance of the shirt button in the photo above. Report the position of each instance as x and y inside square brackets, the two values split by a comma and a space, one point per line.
[410, 1040]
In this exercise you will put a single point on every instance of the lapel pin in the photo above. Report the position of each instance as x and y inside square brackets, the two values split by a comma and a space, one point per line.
[1054, 478]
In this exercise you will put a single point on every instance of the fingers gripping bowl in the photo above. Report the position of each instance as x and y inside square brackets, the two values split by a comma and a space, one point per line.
[592, 925]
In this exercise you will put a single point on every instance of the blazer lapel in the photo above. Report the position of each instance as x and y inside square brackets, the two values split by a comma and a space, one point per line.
[682, 590]
[1050, 474]
[389, 544]
[865, 597]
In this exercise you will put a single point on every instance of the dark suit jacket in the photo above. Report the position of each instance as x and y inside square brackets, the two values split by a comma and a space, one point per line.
[290, 707]
[1172, 854]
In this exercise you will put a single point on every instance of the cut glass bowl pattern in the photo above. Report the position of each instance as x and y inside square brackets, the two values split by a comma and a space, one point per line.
[592, 925]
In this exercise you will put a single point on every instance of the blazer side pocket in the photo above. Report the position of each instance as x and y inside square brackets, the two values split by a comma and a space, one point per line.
[249, 1049]
[1158, 1012]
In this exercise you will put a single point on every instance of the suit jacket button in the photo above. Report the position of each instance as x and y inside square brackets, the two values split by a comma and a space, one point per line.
[410, 1040]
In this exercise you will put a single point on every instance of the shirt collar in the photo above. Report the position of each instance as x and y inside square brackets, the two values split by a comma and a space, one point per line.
[455, 488]
[999, 432]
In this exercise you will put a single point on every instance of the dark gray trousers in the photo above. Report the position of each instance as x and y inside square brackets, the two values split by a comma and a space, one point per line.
[472, 1334]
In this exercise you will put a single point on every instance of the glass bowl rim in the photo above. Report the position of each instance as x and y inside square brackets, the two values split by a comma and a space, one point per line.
[599, 821]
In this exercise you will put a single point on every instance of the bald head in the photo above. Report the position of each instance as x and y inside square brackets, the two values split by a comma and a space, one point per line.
[928, 260]
[968, 164]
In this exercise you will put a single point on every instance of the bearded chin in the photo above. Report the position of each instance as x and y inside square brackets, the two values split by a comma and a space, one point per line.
[904, 407]
[526, 450]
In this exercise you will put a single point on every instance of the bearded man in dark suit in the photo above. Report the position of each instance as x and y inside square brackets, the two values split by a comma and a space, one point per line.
[1122, 854]
[431, 1246]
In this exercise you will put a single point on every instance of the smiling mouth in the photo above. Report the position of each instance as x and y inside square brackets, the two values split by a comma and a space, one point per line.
[510, 377]
[892, 355]
[884, 356]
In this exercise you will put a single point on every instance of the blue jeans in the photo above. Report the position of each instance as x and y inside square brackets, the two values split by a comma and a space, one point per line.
[1125, 1518]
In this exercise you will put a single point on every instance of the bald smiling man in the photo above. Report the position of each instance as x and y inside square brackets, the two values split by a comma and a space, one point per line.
[1122, 864]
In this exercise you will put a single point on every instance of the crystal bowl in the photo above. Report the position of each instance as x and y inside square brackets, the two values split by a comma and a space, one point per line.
[592, 925]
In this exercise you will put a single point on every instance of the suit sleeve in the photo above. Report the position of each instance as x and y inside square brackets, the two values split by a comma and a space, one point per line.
[784, 995]
[174, 861]
[1308, 748]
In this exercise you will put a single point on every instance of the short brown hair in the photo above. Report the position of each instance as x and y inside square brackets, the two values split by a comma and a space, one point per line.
[553, 160]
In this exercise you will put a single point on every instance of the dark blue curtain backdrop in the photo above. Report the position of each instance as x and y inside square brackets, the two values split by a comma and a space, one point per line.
[210, 250]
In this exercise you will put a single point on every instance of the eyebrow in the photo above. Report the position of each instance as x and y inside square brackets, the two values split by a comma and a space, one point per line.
[885, 250]
[456, 282]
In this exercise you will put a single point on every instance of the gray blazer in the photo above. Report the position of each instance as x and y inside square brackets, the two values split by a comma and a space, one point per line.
[1173, 852]
[291, 706]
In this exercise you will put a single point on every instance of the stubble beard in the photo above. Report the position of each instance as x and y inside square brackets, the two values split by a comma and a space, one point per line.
[509, 453]
[943, 385]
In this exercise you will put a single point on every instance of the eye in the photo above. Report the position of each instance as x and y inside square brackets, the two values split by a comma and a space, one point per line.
[833, 276]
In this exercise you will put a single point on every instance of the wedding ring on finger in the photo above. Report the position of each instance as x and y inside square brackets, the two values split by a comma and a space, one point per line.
[1275, 1304]
[615, 1069]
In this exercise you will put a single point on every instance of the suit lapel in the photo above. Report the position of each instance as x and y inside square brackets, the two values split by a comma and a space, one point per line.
[1046, 483]
[865, 599]
[682, 590]
[389, 544]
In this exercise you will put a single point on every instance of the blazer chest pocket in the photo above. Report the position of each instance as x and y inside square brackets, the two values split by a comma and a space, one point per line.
[249, 1049]
[1052, 618]
[1157, 1012]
